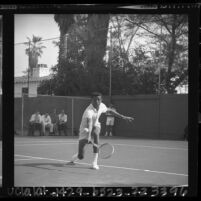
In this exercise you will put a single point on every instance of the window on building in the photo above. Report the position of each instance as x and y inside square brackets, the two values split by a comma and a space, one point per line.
[25, 90]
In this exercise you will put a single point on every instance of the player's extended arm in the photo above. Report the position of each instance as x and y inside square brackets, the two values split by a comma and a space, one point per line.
[115, 113]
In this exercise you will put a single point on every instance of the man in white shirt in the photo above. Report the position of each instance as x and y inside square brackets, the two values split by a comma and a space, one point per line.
[62, 124]
[90, 126]
[110, 122]
[47, 123]
[35, 123]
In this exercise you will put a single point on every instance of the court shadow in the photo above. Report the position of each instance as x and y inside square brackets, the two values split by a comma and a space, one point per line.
[54, 165]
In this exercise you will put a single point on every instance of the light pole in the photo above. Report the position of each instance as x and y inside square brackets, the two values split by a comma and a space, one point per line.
[110, 65]
[28, 68]
[159, 86]
[159, 62]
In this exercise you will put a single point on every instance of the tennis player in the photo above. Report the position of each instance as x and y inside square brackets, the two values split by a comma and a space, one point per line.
[90, 126]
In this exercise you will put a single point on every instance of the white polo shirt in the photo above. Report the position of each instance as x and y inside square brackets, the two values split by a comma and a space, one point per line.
[36, 118]
[91, 112]
[46, 119]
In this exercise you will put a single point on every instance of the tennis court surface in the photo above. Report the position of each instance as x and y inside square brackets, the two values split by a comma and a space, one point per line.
[41, 161]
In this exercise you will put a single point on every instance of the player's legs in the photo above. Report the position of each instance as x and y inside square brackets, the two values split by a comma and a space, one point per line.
[110, 130]
[107, 126]
[81, 149]
[80, 154]
[111, 126]
[95, 133]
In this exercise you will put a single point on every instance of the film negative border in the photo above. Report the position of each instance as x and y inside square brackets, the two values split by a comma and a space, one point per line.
[175, 191]
[68, 7]
[104, 191]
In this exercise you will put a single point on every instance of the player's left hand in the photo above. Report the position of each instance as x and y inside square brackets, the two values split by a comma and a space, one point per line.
[129, 119]
[89, 140]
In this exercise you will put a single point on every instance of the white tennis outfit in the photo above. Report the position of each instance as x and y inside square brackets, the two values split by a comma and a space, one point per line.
[110, 121]
[91, 112]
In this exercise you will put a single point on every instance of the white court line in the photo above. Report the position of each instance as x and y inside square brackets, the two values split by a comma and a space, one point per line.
[127, 145]
[24, 159]
[107, 166]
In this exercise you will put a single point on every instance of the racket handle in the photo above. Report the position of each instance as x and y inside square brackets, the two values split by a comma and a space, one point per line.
[90, 142]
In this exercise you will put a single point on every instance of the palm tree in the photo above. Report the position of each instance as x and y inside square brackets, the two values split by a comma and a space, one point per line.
[34, 50]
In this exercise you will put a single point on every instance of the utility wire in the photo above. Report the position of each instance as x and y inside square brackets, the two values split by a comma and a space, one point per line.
[24, 43]
[112, 27]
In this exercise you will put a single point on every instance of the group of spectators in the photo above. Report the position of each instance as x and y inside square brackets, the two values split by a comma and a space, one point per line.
[55, 123]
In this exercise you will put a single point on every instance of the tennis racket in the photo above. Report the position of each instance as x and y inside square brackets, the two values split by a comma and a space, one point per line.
[105, 150]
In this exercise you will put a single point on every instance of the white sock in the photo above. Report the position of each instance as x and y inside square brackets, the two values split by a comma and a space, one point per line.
[74, 158]
[95, 161]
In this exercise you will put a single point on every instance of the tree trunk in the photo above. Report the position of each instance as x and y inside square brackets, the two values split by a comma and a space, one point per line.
[97, 27]
[33, 62]
[65, 22]
[171, 57]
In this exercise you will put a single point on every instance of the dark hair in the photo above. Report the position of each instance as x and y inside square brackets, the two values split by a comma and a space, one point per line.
[95, 94]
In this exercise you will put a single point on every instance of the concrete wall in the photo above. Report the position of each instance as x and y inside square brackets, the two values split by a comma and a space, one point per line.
[156, 117]
[145, 110]
[173, 116]
[32, 88]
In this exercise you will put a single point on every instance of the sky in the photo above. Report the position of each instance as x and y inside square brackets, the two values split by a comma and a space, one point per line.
[27, 25]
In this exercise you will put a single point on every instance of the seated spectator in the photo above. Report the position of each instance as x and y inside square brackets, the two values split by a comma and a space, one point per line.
[62, 124]
[55, 120]
[47, 123]
[35, 123]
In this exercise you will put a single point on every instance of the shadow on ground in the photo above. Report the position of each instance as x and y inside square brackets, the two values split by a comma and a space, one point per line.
[54, 165]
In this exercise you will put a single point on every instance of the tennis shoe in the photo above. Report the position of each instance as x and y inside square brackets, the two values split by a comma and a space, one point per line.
[95, 167]
[70, 163]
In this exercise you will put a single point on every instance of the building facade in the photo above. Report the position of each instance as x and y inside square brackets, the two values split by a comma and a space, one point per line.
[32, 81]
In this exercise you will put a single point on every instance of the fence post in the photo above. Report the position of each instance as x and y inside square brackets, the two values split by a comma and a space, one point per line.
[72, 116]
[22, 115]
[159, 115]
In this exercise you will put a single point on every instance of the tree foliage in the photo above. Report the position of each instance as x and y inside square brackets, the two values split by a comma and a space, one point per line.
[145, 53]
[34, 50]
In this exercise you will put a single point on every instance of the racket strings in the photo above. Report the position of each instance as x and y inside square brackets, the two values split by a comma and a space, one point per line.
[105, 150]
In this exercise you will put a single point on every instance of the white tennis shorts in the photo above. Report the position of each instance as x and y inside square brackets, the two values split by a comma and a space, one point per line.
[110, 121]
